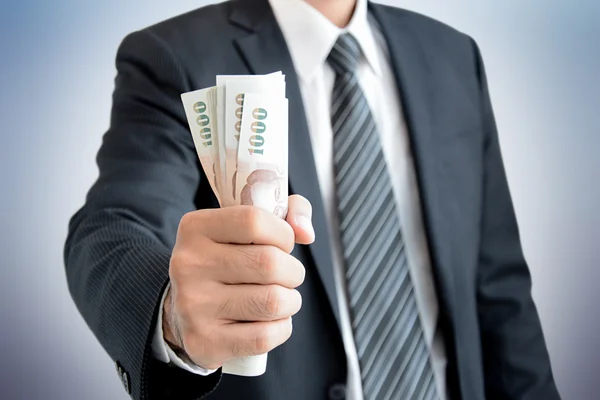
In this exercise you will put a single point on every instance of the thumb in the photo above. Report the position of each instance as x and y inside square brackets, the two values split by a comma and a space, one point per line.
[300, 219]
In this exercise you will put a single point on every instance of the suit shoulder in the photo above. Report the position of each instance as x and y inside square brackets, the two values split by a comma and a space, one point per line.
[178, 42]
[201, 24]
[437, 39]
[427, 27]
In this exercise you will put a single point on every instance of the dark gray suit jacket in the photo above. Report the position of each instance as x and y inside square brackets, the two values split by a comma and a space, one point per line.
[118, 249]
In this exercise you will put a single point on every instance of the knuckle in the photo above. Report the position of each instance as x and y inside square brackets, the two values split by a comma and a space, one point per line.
[187, 221]
[183, 265]
[189, 261]
[192, 302]
[251, 220]
[267, 263]
[192, 222]
[273, 301]
[179, 262]
[263, 342]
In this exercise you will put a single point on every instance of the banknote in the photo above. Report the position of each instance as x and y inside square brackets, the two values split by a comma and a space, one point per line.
[236, 86]
[226, 194]
[200, 116]
[262, 175]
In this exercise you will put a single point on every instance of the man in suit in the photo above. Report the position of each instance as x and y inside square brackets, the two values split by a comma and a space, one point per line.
[409, 283]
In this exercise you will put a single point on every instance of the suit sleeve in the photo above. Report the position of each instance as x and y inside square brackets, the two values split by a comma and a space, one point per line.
[516, 362]
[119, 244]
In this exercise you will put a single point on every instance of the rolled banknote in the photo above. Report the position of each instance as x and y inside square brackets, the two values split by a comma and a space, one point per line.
[199, 110]
[262, 175]
[217, 153]
[236, 86]
[226, 195]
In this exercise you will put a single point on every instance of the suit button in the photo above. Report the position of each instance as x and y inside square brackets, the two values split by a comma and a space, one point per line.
[124, 377]
[337, 392]
[125, 380]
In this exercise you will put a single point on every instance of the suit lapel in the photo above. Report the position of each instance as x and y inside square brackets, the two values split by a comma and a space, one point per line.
[264, 50]
[416, 87]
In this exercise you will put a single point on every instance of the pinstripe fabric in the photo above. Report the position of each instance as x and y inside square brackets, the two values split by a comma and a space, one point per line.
[393, 355]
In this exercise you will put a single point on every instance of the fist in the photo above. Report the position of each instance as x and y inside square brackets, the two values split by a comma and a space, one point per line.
[233, 281]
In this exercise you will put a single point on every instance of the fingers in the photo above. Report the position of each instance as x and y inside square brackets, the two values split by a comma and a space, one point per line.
[257, 303]
[254, 338]
[210, 348]
[240, 225]
[252, 225]
[299, 217]
[258, 264]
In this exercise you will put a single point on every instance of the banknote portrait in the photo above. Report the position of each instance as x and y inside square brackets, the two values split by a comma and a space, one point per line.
[265, 187]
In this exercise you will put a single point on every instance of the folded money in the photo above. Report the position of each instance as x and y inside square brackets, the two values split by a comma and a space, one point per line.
[240, 132]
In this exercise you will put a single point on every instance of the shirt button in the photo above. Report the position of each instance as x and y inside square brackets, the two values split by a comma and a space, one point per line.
[337, 392]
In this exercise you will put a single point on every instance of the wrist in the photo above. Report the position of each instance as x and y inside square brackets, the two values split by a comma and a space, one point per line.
[171, 334]
[170, 331]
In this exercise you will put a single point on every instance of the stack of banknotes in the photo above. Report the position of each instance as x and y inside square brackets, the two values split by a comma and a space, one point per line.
[240, 131]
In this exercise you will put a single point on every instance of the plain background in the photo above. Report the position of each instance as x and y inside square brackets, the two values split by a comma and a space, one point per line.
[56, 79]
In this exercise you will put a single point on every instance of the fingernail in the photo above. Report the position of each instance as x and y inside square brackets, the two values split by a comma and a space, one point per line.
[306, 225]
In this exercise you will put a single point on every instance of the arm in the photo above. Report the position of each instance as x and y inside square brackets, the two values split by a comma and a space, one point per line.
[516, 362]
[119, 245]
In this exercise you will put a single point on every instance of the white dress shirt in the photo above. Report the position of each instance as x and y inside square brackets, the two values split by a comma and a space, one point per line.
[310, 37]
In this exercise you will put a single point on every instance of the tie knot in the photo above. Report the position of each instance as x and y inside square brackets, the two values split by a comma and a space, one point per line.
[345, 54]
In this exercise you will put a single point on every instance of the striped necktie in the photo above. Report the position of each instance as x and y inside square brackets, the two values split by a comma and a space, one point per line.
[392, 353]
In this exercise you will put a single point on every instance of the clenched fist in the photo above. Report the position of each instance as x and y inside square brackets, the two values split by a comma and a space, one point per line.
[233, 281]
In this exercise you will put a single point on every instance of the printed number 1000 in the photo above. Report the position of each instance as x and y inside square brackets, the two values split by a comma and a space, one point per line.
[258, 127]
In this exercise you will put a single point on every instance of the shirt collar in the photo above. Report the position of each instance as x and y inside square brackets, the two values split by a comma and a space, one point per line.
[310, 36]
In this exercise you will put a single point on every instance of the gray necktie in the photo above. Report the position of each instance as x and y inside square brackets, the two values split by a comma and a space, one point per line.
[392, 353]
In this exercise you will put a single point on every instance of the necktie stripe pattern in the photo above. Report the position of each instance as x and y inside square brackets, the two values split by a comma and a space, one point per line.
[392, 352]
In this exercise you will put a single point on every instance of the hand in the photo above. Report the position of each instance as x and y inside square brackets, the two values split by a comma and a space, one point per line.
[233, 281]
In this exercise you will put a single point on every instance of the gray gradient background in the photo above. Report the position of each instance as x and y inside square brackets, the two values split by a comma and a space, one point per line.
[56, 78]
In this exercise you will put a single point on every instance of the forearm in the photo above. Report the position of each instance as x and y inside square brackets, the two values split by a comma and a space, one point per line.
[117, 271]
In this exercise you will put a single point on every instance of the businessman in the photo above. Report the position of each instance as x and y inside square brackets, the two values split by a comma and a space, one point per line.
[398, 272]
